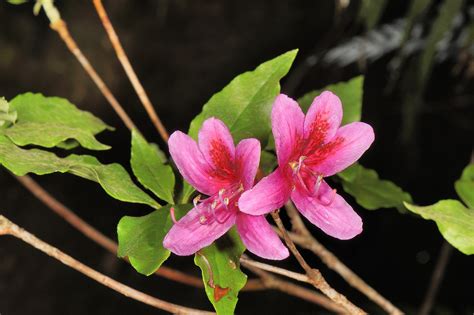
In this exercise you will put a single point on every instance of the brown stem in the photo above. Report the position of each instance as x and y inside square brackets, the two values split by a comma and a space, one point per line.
[246, 262]
[99, 238]
[276, 283]
[314, 275]
[436, 278]
[303, 238]
[132, 76]
[61, 28]
[8, 227]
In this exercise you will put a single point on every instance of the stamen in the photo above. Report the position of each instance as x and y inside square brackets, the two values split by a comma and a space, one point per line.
[202, 219]
[317, 185]
[173, 218]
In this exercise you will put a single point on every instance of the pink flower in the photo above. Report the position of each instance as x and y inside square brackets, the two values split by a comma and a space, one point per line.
[215, 167]
[308, 149]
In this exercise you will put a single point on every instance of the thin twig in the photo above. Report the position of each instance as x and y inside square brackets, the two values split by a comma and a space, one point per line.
[61, 28]
[303, 238]
[314, 275]
[436, 279]
[276, 283]
[8, 227]
[132, 76]
[247, 262]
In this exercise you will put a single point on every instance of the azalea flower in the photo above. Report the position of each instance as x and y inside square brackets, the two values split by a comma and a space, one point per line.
[309, 149]
[215, 167]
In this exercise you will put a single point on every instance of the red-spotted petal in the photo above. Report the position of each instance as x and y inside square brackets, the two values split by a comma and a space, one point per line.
[247, 158]
[322, 121]
[191, 163]
[347, 146]
[217, 146]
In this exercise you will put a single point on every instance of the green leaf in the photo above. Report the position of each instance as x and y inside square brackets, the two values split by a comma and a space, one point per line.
[465, 186]
[370, 191]
[350, 93]
[51, 135]
[7, 115]
[113, 178]
[186, 192]
[56, 121]
[244, 105]
[150, 170]
[268, 162]
[141, 238]
[455, 222]
[221, 259]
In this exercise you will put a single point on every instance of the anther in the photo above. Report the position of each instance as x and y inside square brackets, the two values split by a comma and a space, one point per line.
[202, 219]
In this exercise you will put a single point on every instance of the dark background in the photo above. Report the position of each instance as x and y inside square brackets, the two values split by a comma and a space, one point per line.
[184, 51]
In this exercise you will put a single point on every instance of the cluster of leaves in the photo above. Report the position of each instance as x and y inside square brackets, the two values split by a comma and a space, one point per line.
[51, 124]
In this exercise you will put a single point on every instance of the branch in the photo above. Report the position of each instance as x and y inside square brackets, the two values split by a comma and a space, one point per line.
[436, 278]
[132, 76]
[61, 28]
[303, 237]
[276, 283]
[9, 228]
[248, 263]
[314, 275]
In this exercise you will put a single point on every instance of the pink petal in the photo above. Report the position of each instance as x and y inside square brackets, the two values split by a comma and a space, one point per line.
[322, 120]
[247, 157]
[269, 194]
[259, 238]
[190, 235]
[191, 163]
[217, 146]
[347, 146]
[328, 211]
[287, 127]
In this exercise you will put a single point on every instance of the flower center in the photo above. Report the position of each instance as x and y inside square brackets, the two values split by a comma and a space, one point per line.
[309, 180]
[224, 202]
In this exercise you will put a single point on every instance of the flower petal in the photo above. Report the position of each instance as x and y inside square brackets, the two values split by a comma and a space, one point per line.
[322, 120]
[329, 212]
[191, 163]
[247, 157]
[269, 194]
[347, 146]
[287, 127]
[190, 235]
[259, 238]
[217, 146]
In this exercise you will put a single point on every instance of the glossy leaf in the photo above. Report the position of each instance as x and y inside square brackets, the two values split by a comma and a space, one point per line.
[150, 169]
[113, 178]
[465, 186]
[350, 93]
[370, 191]
[244, 105]
[141, 238]
[455, 222]
[57, 121]
[221, 272]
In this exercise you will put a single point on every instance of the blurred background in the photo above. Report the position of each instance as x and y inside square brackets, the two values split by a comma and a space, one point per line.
[418, 62]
